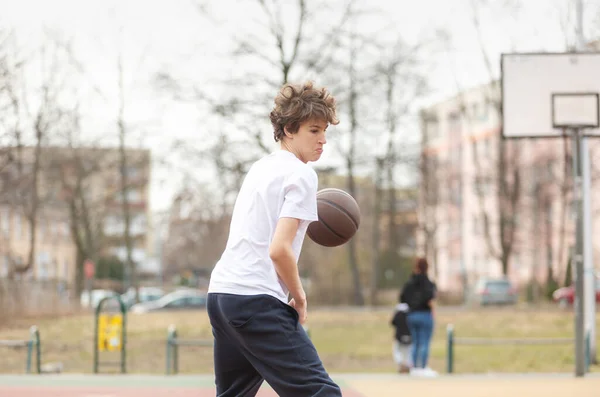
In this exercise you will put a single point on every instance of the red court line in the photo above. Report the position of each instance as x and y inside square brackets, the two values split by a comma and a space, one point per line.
[108, 392]
[126, 392]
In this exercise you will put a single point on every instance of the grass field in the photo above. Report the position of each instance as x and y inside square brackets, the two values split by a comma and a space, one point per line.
[348, 340]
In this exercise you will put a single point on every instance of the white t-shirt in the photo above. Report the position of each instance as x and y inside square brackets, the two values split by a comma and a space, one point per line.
[277, 186]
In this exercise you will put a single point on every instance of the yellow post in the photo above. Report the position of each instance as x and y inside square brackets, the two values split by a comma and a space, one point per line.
[109, 332]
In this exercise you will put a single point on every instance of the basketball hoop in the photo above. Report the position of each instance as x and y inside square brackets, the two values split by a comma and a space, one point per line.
[545, 93]
[575, 110]
[551, 95]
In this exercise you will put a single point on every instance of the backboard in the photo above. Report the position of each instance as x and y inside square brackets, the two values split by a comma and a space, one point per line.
[544, 93]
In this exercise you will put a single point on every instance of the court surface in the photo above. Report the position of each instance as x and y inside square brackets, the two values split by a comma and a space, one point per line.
[353, 385]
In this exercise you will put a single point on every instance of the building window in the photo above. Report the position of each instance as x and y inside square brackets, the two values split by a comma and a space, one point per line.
[113, 225]
[65, 269]
[131, 172]
[483, 185]
[454, 125]
[482, 111]
[41, 230]
[433, 128]
[132, 196]
[43, 266]
[488, 147]
[53, 230]
[18, 230]
[65, 229]
[138, 255]
[5, 222]
[138, 224]
[4, 266]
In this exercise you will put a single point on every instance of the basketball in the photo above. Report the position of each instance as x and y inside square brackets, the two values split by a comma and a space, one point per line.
[339, 218]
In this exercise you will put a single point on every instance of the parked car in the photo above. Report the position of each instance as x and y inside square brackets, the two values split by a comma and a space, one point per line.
[146, 294]
[94, 297]
[565, 296]
[185, 299]
[492, 291]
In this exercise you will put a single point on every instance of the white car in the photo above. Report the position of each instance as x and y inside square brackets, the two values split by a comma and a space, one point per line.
[94, 297]
[179, 300]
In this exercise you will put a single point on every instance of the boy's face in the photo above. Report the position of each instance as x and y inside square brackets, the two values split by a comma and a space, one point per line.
[308, 142]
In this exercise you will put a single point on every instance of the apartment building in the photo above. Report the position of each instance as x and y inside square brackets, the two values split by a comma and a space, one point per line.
[90, 176]
[137, 194]
[469, 220]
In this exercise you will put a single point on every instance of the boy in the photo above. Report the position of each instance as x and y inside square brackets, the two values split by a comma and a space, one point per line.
[402, 338]
[258, 333]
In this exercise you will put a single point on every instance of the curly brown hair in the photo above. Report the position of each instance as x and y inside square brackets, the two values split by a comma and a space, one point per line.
[296, 103]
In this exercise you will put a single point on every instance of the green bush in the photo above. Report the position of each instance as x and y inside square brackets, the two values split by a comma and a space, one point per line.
[569, 273]
[111, 268]
[394, 269]
[551, 286]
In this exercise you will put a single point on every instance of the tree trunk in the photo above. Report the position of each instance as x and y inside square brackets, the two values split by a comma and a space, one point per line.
[550, 281]
[391, 162]
[125, 207]
[350, 158]
[376, 243]
[564, 191]
[352, 257]
[79, 281]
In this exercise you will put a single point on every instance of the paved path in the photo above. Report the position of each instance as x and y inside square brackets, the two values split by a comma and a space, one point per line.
[354, 385]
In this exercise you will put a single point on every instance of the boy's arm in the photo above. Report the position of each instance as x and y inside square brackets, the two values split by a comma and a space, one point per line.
[284, 260]
[299, 203]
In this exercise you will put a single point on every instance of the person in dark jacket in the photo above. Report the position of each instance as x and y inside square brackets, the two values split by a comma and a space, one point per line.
[402, 338]
[419, 293]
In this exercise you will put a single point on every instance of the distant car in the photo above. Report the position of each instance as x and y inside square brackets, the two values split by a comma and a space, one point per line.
[146, 294]
[94, 297]
[489, 291]
[565, 296]
[187, 299]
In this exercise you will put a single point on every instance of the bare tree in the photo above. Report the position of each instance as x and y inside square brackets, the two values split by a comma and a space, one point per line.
[36, 114]
[129, 159]
[280, 44]
[76, 169]
[505, 174]
[429, 193]
[377, 199]
[565, 187]
[506, 169]
[390, 70]
[197, 232]
[400, 74]
[124, 179]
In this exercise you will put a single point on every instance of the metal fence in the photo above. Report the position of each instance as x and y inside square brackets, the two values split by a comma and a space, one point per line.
[32, 346]
[452, 341]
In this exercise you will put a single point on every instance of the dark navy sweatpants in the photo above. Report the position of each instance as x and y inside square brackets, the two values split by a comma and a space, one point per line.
[258, 338]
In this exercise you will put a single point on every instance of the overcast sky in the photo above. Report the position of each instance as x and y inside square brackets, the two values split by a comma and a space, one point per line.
[170, 35]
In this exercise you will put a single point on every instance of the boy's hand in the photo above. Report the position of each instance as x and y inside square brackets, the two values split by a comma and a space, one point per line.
[301, 308]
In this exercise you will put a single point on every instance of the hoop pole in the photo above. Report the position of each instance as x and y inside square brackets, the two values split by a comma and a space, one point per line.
[588, 252]
[587, 352]
[578, 258]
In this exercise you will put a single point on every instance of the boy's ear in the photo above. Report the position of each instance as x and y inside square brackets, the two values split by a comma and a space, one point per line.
[287, 132]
